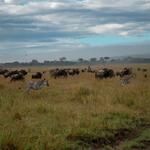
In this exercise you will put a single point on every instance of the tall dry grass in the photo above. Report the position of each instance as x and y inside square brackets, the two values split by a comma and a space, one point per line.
[75, 113]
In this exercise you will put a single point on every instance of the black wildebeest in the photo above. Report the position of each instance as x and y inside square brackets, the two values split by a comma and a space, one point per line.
[73, 72]
[16, 77]
[104, 73]
[10, 73]
[145, 76]
[3, 71]
[37, 75]
[138, 69]
[83, 70]
[24, 72]
[59, 73]
[125, 71]
[144, 70]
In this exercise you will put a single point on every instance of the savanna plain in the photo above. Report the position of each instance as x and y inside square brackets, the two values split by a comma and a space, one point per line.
[76, 113]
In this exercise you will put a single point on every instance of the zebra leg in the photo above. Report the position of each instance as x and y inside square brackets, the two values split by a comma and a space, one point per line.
[123, 82]
[28, 90]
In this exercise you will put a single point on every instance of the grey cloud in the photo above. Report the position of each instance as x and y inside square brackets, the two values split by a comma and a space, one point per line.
[37, 21]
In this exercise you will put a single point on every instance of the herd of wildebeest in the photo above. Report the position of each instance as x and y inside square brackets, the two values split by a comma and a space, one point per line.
[17, 75]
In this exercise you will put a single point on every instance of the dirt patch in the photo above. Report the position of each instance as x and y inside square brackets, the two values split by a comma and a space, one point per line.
[115, 139]
[100, 142]
[9, 146]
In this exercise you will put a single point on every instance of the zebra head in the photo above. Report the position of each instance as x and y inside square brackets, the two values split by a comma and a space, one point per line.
[45, 83]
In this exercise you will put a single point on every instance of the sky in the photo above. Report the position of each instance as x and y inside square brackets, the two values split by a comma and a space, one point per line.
[50, 29]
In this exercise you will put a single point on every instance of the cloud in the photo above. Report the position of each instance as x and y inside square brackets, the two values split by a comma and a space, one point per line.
[106, 28]
[126, 4]
[51, 20]
[10, 1]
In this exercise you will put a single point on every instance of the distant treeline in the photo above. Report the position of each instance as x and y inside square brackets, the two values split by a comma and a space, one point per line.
[64, 62]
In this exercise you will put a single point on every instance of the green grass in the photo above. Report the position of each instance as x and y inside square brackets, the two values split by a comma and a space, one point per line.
[142, 141]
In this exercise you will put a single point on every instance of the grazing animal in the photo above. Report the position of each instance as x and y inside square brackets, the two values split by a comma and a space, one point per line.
[59, 73]
[24, 72]
[83, 70]
[144, 70]
[3, 71]
[124, 72]
[76, 71]
[138, 69]
[6, 74]
[99, 74]
[37, 85]
[16, 77]
[126, 79]
[73, 72]
[104, 73]
[37, 75]
[145, 75]
[10, 73]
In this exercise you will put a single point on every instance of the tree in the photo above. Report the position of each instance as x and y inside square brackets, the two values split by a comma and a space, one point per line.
[62, 58]
[106, 58]
[80, 60]
[46, 62]
[102, 60]
[93, 59]
[34, 62]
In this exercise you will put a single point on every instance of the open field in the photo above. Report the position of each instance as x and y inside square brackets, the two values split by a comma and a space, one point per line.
[77, 113]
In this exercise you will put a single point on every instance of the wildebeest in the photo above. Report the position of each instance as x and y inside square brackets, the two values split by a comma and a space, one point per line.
[16, 77]
[104, 73]
[145, 75]
[73, 72]
[84, 70]
[144, 70]
[7, 73]
[24, 72]
[3, 71]
[59, 73]
[138, 69]
[37, 75]
[37, 85]
[10, 73]
[124, 72]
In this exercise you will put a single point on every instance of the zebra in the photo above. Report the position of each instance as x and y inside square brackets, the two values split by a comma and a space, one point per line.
[37, 85]
[126, 79]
